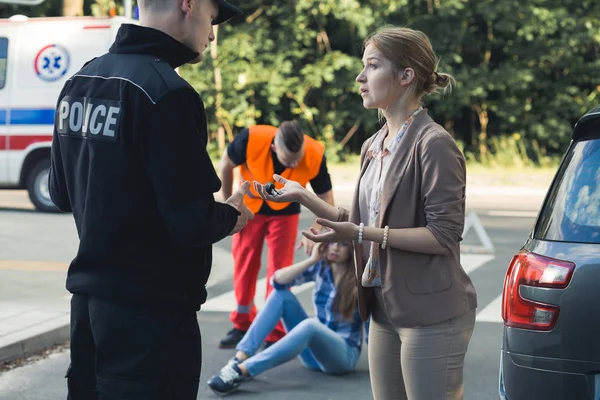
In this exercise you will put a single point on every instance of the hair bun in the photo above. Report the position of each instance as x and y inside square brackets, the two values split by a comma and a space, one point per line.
[442, 80]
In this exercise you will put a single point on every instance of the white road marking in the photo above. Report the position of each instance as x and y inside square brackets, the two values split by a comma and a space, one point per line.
[472, 221]
[226, 301]
[472, 262]
[516, 214]
[492, 312]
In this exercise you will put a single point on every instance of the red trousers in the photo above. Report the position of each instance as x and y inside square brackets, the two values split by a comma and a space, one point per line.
[280, 232]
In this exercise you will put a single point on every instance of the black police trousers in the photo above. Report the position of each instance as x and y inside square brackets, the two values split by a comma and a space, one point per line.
[126, 352]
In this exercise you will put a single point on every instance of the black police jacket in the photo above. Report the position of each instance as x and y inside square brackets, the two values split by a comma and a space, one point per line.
[129, 160]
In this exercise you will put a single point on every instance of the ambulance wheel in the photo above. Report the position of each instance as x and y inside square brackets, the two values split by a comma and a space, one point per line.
[37, 186]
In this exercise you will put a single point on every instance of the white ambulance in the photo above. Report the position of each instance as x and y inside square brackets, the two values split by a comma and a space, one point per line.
[37, 56]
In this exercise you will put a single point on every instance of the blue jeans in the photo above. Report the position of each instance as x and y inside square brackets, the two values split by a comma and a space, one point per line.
[319, 347]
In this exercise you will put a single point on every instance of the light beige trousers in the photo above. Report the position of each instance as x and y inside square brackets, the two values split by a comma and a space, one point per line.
[420, 363]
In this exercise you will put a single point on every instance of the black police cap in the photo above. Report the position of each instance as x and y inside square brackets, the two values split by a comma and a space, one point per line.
[226, 11]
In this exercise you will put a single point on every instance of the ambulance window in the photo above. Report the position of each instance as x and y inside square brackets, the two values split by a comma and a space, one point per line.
[3, 60]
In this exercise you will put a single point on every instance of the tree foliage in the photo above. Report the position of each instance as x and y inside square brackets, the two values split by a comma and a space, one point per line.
[525, 69]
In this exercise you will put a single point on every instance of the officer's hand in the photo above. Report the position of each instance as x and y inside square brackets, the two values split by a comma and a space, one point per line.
[241, 223]
[245, 216]
[237, 200]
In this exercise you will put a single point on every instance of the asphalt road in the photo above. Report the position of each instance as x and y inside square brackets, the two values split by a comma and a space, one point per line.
[35, 249]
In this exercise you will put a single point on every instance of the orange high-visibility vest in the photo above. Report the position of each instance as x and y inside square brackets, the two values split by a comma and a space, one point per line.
[259, 164]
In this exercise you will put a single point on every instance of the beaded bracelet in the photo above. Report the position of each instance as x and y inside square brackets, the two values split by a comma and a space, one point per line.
[385, 236]
[361, 227]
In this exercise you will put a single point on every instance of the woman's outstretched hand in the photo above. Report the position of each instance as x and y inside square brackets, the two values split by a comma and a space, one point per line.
[334, 232]
[290, 192]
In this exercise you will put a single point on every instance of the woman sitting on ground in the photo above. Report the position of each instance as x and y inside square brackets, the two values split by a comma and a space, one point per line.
[330, 342]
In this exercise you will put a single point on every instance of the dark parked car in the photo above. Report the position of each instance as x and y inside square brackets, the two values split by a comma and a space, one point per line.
[551, 297]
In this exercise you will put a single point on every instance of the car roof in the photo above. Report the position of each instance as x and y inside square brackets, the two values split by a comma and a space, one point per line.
[588, 126]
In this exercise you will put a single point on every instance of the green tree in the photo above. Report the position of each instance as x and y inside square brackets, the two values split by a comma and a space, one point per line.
[525, 70]
[282, 62]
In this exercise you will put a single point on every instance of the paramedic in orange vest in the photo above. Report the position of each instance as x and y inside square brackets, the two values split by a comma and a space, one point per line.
[261, 151]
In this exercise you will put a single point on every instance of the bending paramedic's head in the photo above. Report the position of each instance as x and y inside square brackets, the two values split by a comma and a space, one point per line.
[188, 21]
[289, 144]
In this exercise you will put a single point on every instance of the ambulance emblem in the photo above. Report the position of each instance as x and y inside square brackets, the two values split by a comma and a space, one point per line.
[51, 62]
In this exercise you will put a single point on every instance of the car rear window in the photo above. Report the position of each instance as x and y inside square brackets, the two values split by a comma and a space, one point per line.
[572, 211]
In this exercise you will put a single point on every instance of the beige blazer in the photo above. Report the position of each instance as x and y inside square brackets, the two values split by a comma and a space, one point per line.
[425, 188]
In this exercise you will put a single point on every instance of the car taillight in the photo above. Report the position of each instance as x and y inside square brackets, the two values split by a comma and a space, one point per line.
[528, 269]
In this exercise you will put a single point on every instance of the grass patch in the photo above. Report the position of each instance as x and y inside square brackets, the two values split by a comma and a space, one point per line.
[477, 173]
[534, 177]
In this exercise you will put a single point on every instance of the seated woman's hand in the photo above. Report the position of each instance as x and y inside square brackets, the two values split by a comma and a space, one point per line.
[290, 192]
[318, 252]
[333, 232]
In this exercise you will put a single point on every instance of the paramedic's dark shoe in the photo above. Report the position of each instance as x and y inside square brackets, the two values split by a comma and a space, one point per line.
[227, 381]
[232, 338]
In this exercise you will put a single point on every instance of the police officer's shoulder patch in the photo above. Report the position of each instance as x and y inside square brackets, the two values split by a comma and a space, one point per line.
[89, 118]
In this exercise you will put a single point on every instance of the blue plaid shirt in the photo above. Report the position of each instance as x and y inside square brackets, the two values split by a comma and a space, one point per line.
[323, 298]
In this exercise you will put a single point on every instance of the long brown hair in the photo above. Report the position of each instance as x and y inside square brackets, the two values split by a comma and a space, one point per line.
[346, 298]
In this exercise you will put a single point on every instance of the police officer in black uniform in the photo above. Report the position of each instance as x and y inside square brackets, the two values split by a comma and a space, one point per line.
[129, 160]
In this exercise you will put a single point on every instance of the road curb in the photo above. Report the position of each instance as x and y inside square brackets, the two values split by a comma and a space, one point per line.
[32, 343]
[34, 339]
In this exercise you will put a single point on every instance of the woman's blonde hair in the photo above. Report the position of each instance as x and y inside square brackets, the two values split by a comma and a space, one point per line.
[408, 48]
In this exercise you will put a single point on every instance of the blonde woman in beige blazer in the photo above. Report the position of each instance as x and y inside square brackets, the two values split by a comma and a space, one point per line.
[406, 223]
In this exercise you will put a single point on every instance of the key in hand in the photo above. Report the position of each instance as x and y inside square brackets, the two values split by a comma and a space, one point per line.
[270, 188]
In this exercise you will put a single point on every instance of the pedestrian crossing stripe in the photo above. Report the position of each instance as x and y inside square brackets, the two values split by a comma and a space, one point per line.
[473, 221]
[470, 262]
[492, 312]
[226, 302]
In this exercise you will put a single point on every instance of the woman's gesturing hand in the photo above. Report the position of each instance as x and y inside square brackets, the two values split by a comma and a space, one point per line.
[334, 232]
